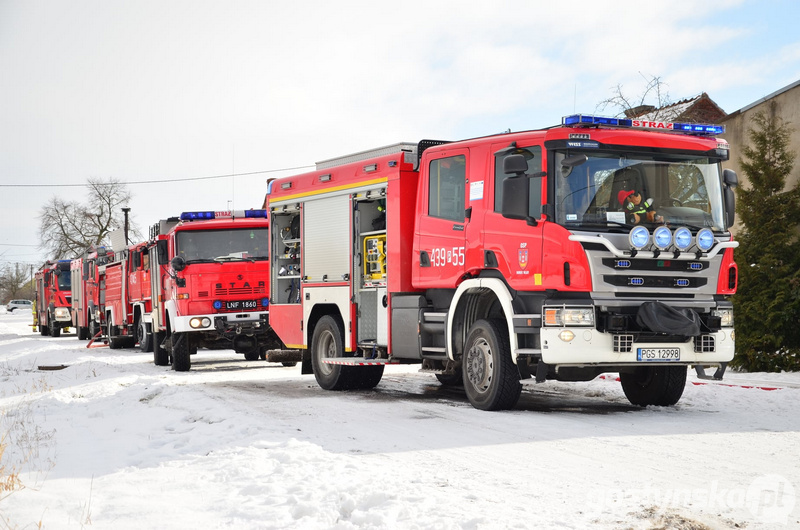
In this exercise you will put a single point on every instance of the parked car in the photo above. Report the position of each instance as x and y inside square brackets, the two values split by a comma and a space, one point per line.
[18, 304]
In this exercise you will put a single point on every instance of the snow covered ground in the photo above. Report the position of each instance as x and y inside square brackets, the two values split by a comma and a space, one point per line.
[112, 441]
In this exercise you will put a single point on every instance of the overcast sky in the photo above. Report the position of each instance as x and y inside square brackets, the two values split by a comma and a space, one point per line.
[169, 90]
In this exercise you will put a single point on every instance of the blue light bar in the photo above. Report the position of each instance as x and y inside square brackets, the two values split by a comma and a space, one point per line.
[262, 214]
[583, 119]
[193, 216]
[701, 129]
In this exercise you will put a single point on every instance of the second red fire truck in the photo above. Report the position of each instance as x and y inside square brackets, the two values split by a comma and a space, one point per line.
[602, 245]
[210, 272]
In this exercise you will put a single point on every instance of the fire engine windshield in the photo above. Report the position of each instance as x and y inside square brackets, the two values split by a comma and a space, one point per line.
[236, 244]
[607, 190]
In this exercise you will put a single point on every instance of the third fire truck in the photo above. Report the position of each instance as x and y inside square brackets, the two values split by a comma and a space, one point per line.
[53, 297]
[210, 272]
[601, 245]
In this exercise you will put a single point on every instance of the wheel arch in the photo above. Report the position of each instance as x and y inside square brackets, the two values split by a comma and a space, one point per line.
[475, 299]
[319, 311]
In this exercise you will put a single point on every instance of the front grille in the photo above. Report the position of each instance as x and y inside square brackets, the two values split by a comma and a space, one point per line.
[240, 291]
[623, 343]
[705, 344]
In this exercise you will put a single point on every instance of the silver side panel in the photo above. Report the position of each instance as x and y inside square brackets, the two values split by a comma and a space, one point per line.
[326, 239]
[409, 151]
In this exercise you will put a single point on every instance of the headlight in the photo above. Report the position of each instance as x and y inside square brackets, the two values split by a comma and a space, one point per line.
[639, 237]
[62, 312]
[726, 317]
[705, 239]
[568, 316]
[683, 239]
[199, 322]
[662, 237]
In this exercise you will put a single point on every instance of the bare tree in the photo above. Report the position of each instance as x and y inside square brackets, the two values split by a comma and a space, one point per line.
[68, 228]
[16, 282]
[653, 98]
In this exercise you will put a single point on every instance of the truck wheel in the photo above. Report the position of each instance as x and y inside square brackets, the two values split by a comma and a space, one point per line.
[160, 355]
[252, 355]
[366, 377]
[93, 329]
[55, 331]
[181, 352]
[327, 342]
[82, 333]
[491, 380]
[654, 385]
[145, 339]
[114, 341]
[44, 330]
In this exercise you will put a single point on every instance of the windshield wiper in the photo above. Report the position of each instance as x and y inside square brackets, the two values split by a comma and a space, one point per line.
[200, 260]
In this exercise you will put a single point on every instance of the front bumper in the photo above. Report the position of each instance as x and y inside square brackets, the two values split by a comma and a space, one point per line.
[592, 347]
[249, 323]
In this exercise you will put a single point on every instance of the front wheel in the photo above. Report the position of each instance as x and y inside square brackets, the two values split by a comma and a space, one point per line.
[326, 343]
[160, 355]
[181, 352]
[491, 380]
[654, 385]
[144, 338]
[55, 330]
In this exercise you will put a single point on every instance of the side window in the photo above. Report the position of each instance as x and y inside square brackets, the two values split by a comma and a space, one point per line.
[533, 155]
[447, 188]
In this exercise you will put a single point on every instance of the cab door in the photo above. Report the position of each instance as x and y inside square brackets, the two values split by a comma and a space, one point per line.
[440, 238]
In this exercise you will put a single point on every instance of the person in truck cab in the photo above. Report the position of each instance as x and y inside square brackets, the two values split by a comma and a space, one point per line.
[636, 209]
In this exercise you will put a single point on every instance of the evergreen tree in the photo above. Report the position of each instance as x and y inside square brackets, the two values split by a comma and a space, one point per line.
[767, 303]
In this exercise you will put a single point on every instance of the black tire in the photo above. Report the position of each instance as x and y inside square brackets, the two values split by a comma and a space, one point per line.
[44, 331]
[94, 328]
[654, 385]
[83, 333]
[328, 342]
[144, 338]
[181, 352]
[366, 377]
[114, 340]
[252, 355]
[491, 380]
[289, 365]
[160, 355]
[55, 331]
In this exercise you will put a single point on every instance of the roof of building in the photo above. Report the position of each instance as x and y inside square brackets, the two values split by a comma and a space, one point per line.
[700, 108]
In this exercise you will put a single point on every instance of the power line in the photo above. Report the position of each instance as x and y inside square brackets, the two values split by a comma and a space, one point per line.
[153, 181]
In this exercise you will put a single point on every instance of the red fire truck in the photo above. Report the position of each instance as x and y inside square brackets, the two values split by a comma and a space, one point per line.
[601, 245]
[127, 304]
[87, 279]
[139, 293]
[213, 286]
[53, 292]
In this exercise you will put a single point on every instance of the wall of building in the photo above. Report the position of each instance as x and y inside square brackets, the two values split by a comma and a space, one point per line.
[738, 123]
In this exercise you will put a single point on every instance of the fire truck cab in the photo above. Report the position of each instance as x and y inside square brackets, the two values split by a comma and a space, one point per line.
[210, 285]
[601, 245]
[53, 297]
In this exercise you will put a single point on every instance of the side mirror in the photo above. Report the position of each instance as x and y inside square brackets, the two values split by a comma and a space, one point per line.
[729, 178]
[178, 263]
[516, 191]
[515, 165]
[161, 249]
